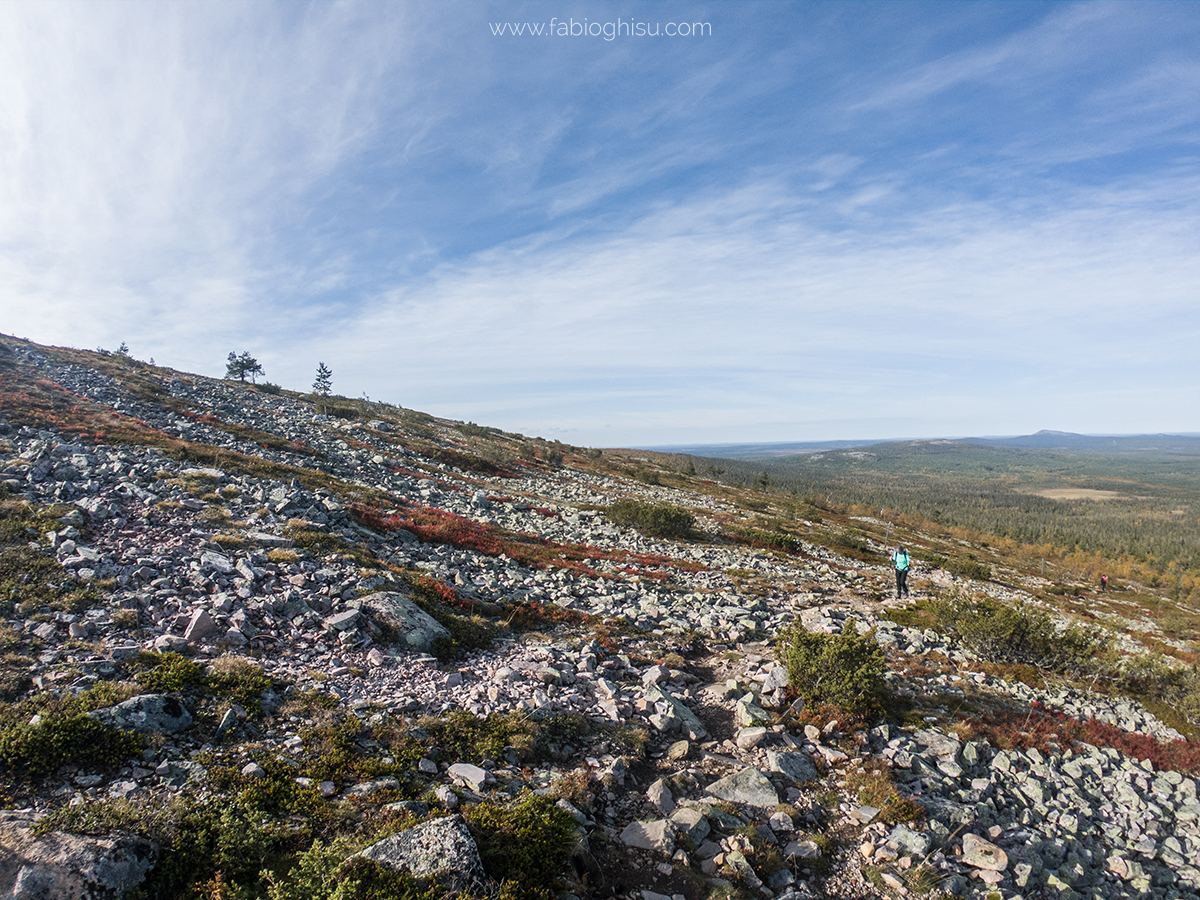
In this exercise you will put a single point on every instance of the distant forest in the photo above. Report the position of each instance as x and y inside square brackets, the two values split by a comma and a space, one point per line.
[1149, 515]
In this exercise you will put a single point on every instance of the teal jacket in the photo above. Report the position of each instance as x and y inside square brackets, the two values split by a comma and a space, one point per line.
[900, 561]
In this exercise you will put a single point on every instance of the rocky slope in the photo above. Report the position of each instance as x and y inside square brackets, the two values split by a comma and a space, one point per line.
[308, 616]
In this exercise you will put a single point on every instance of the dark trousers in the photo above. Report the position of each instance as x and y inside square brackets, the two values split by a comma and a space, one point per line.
[902, 582]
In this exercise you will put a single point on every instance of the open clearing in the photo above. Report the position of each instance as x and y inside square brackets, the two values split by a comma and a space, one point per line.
[1078, 494]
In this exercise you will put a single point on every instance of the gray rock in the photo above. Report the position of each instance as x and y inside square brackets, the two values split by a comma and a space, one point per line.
[367, 788]
[210, 559]
[908, 841]
[938, 744]
[796, 766]
[442, 849]
[415, 628]
[343, 621]
[468, 776]
[146, 713]
[690, 723]
[749, 786]
[657, 835]
[660, 797]
[983, 854]
[748, 713]
[60, 866]
[802, 850]
[749, 738]
[200, 626]
[691, 822]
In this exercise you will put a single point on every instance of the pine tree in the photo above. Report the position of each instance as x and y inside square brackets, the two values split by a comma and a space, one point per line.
[241, 366]
[324, 380]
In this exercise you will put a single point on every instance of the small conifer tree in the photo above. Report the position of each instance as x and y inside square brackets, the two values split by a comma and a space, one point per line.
[324, 380]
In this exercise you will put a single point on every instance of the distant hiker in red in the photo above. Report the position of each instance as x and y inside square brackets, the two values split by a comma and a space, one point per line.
[1104, 582]
[901, 562]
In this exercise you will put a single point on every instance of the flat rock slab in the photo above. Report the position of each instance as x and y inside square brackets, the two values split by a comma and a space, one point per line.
[146, 713]
[799, 767]
[442, 849]
[60, 866]
[749, 786]
[367, 788]
[983, 854]
[415, 629]
[468, 776]
[656, 835]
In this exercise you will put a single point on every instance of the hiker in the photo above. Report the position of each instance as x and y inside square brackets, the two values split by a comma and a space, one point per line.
[900, 561]
[1103, 582]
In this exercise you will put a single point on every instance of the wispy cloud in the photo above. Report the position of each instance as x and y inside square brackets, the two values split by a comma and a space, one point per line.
[990, 211]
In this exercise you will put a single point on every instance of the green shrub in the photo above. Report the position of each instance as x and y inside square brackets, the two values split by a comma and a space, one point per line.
[968, 568]
[1019, 634]
[776, 540]
[527, 843]
[168, 672]
[32, 751]
[324, 873]
[237, 679]
[658, 519]
[844, 670]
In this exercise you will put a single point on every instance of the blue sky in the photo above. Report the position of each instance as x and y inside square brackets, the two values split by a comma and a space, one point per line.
[813, 221]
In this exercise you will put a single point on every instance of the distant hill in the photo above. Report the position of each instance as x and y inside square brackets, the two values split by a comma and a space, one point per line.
[1187, 443]
[1065, 440]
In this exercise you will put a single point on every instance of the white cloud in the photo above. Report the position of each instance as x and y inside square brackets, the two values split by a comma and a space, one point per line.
[644, 242]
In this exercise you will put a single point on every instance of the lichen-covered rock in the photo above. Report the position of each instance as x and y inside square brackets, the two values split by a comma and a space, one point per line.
[442, 849]
[146, 713]
[416, 629]
[60, 866]
[749, 786]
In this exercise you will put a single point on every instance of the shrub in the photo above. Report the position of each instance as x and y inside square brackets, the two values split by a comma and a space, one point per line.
[968, 568]
[853, 539]
[168, 672]
[758, 537]
[1019, 634]
[658, 519]
[527, 843]
[323, 873]
[31, 751]
[846, 670]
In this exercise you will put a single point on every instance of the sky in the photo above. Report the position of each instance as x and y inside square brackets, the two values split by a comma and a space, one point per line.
[768, 221]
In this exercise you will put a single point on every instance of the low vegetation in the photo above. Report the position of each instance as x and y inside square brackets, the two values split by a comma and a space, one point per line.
[844, 670]
[657, 519]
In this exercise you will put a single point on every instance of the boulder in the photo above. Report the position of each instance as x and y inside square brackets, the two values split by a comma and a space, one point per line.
[799, 767]
[442, 849]
[200, 626]
[146, 713]
[468, 776]
[656, 835]
[749, 786]
[60, 866]
[659, 795]
[415, 629]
